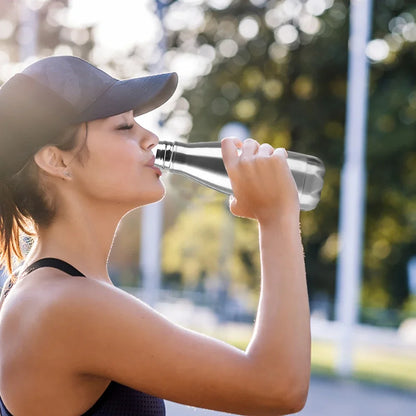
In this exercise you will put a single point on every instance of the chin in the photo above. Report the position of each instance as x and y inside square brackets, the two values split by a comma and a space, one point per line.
[154, 196]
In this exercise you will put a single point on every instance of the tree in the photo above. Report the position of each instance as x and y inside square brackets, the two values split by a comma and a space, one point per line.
[280, 67]
[274, 83]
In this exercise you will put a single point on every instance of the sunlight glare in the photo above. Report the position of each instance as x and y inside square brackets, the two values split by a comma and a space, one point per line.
[117, 28]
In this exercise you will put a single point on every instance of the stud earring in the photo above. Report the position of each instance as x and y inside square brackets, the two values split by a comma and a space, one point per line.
[67, 174]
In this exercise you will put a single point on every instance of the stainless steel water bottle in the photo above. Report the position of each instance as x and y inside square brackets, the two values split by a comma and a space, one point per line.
[203, 163]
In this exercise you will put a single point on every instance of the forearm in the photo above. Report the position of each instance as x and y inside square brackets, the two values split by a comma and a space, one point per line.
[281, 340]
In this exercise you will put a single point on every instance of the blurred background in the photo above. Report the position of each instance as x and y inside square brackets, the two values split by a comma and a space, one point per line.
[277, 71]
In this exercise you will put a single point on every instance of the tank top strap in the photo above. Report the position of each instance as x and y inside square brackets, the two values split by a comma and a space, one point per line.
[54, 263]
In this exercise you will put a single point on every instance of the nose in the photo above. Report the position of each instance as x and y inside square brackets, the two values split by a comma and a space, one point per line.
[149, 139]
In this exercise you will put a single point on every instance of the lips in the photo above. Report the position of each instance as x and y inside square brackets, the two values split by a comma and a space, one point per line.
[151, 164]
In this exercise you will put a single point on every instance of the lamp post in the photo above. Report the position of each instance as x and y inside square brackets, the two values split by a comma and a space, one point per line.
[353, 181]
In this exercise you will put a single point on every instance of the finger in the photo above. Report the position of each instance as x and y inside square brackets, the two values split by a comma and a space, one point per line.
[265, 149]
[238, 142]
[250, 147]
[280, 151]
[229, 148]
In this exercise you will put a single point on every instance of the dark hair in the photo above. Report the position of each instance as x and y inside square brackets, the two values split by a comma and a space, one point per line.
[25, 205]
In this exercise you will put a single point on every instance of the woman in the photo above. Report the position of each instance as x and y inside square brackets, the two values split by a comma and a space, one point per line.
[73, 162]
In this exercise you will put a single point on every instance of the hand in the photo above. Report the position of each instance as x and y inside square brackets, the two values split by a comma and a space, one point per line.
[263, 185]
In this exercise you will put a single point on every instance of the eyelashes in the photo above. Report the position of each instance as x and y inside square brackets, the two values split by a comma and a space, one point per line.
[126, 127]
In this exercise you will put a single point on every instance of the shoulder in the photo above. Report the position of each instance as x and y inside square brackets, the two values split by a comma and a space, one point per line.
[50, 302]
[73, 308]
[87, 299]
[69, 317]
[79, 300]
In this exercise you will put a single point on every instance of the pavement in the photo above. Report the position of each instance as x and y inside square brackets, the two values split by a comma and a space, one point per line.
[329, 396]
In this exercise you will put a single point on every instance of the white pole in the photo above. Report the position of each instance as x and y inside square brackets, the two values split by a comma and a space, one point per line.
[151, 236]
[152, 215]
[353, 179]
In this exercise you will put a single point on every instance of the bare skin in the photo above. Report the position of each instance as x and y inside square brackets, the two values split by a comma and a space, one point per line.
[63, 339]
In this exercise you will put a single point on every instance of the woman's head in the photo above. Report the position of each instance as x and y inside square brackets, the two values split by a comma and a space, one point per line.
[52, 108]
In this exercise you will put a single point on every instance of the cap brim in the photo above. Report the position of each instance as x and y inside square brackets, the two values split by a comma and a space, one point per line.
[138, 94]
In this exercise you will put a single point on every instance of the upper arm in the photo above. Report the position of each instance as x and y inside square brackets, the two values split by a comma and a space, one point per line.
[112, 334]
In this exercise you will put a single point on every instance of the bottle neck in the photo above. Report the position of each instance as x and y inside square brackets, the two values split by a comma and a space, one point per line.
[163, 154]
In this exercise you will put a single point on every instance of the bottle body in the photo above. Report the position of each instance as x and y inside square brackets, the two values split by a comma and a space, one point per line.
[203, 163]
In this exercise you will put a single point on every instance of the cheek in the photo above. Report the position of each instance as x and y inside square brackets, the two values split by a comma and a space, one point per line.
[118, 161]
[107, 166]
[120, 173]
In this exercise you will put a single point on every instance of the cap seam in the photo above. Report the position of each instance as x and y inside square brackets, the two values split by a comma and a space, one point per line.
[99, 96]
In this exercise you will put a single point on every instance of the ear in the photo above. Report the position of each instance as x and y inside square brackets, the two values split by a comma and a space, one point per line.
[51, 160]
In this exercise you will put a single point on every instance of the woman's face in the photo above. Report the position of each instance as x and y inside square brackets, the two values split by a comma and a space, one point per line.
[120, 164]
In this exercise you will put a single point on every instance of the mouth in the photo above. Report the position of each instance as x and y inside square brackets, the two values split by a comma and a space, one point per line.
[151, 164]
[151, 161]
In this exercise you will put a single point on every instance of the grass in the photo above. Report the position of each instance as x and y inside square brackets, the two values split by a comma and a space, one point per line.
[375, 364]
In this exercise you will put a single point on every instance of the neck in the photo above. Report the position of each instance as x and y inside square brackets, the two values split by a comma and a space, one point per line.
[83, 237]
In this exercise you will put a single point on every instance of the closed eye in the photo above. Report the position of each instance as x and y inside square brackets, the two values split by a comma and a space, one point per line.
[125, 127]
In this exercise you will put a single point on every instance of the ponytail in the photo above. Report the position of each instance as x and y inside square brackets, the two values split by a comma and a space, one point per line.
[24, 206]
[12, 224]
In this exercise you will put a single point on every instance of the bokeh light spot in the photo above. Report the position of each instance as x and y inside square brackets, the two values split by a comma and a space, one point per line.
[377, 50]
[6, 28]
[272, 89]
[286, 34]
[246, 109]
[228, 48]
[277, 52]
[248, 28]
[303, 87]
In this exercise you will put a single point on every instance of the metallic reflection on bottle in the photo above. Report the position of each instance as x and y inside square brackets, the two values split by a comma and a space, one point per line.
[203, 163]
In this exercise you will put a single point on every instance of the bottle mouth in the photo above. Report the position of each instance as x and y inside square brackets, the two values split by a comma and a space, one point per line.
[163, 153]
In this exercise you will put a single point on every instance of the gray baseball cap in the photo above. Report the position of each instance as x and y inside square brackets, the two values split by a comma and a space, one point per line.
[52, 94]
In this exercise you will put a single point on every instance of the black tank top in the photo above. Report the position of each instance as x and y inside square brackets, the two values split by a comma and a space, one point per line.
[117, 400]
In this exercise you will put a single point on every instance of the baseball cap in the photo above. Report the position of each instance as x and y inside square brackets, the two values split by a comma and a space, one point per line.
[54, 93]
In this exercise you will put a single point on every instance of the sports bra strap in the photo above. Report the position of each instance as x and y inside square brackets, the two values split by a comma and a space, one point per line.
[54, 263]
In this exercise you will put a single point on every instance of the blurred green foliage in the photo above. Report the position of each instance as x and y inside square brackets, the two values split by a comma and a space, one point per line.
[287, 84]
